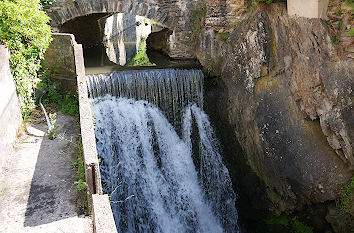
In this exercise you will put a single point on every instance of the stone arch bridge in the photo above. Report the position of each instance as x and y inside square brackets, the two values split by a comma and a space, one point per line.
[173, 14]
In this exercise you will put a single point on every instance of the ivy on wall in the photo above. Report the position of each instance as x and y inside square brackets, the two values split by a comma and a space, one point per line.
[25, 31]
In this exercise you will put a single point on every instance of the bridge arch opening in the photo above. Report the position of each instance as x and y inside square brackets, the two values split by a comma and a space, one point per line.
[119, 39]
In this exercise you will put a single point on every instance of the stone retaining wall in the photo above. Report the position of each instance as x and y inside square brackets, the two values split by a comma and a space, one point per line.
[60, 60]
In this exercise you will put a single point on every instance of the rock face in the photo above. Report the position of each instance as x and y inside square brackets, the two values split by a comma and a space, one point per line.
[288, 100]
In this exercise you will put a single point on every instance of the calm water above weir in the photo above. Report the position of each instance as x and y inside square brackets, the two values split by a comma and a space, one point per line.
[162, 176]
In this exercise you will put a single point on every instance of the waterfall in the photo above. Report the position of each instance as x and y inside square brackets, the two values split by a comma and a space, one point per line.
[157, 180]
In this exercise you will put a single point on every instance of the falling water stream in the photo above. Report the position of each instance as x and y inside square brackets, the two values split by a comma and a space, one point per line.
[160, 179]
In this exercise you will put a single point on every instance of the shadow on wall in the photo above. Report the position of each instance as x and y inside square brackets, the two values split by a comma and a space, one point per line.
[156, 47]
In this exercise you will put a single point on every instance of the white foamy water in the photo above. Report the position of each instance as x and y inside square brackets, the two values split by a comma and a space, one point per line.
[179, 184]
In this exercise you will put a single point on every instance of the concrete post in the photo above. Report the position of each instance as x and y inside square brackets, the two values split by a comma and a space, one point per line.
[103, 221]
[308, 8]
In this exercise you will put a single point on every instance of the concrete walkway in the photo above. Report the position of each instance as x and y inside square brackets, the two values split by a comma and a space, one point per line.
[37, 190]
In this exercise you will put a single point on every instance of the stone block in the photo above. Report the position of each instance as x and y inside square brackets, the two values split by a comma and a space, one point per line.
[308, 8]
[103, 221]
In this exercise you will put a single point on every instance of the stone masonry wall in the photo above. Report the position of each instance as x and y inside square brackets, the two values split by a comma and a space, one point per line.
[60, 60]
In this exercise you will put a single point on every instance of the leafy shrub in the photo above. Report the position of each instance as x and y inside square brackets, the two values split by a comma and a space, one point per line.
[67, 104]
[141, 58]
[25, 31]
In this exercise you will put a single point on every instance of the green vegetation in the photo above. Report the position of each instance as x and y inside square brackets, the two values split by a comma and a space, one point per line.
[198, 14]
[156, 24]
[346, 199]
[350, 3]
[351, 32]
[340, 19]
[215, 80]
[67, 104]
[281, 220]
[79, 167]
[52, 129]
[25, 31]
[282, 223]
[300, 227]
[340, 24]
[223, 36]
[141, 58]
[335, 39]
[45, 3]
[220, 59]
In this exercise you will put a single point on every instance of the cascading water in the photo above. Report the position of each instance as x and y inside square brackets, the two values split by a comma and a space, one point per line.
[157, 180]
[168, 89]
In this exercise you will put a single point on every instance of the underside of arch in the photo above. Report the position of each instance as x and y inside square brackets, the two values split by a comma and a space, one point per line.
[65, 11]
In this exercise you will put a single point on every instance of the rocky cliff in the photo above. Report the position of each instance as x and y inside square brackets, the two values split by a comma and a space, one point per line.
[283, 94]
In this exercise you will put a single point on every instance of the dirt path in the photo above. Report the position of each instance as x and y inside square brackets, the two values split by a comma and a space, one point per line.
[37, 190]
